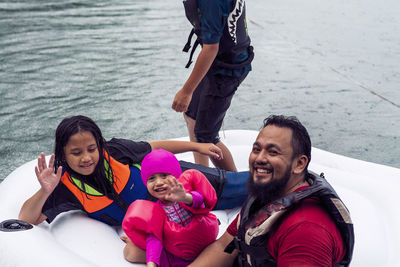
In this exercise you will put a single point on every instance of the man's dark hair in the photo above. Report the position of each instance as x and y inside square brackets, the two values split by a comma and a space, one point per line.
[301, 141]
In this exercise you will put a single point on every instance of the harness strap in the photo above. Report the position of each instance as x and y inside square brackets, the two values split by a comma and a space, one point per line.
[109, 219]
[187, 45]
[231, 246]
[121, 203]
[196, 43]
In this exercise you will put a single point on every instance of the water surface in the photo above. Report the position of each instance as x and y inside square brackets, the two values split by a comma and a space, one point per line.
[335, 65]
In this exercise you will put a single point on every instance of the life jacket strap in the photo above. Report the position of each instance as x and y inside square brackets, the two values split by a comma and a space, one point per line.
[230, 247]
[196, 43]
[187, 47]
[109, 219]
[121, 203]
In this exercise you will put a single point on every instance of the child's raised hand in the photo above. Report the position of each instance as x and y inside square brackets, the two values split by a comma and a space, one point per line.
[177, 192]
[211, 150]
[47, 178]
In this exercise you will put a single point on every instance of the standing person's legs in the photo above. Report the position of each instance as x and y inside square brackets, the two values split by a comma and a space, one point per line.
[191, 115]
[225, 164]
[206, 112]
[198, 158]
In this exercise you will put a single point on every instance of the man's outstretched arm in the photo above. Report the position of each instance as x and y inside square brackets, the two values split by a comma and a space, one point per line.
[214, 254]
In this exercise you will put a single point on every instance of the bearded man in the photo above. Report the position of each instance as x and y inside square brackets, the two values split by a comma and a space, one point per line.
[292, 217]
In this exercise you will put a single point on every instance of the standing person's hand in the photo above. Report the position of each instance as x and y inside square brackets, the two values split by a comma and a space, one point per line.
[181, 101]
[203, 63]
[45, 174]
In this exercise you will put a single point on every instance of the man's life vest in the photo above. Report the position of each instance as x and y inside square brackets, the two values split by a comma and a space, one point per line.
[127, 183]
[234, 41]
[252, 243]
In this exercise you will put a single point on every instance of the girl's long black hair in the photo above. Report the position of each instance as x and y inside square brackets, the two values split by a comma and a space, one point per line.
[77, 124]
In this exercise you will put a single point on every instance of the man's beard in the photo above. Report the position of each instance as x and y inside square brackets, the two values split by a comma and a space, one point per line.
[270, 191]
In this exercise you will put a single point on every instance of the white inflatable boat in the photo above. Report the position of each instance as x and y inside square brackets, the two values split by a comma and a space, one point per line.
[369, 190]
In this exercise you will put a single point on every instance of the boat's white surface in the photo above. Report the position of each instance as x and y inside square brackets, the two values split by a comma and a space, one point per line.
[73, 239]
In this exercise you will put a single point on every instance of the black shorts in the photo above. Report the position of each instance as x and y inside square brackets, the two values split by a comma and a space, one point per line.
[209, 104]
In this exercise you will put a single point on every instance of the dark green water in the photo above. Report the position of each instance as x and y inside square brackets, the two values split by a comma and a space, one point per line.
[334, 65]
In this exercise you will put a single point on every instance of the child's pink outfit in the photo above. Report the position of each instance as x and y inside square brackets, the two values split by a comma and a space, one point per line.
[176, 213]
[173, 235]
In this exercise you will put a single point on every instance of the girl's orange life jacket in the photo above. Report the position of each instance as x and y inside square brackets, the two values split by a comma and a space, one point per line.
[127, 183]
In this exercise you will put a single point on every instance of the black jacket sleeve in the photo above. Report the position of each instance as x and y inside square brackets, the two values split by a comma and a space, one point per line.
[128, 151]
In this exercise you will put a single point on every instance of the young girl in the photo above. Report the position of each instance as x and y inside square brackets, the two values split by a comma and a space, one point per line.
[179, 226]
[99, 177]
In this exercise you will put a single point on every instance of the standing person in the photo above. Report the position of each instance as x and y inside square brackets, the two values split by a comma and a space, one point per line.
[175, 229]
[103, 177]
[292, 217]
[222, 64]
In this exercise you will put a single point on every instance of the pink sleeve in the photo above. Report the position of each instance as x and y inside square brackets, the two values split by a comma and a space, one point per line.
[153, 249]
[194, 180]
[143, 218]
[198, 200]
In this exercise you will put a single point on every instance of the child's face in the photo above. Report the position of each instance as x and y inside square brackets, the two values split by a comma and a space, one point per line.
[81, 153]
[158, 185]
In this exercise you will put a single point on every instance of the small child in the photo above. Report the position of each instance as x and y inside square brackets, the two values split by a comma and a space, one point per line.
[175, 229]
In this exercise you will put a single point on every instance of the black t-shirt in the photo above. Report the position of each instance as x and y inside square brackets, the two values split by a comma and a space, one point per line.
[123, 150]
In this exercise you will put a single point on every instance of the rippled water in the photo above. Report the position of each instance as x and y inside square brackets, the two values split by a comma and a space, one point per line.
[335, 65]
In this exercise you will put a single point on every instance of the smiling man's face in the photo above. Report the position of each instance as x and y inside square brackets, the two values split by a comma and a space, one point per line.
[271, 157]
